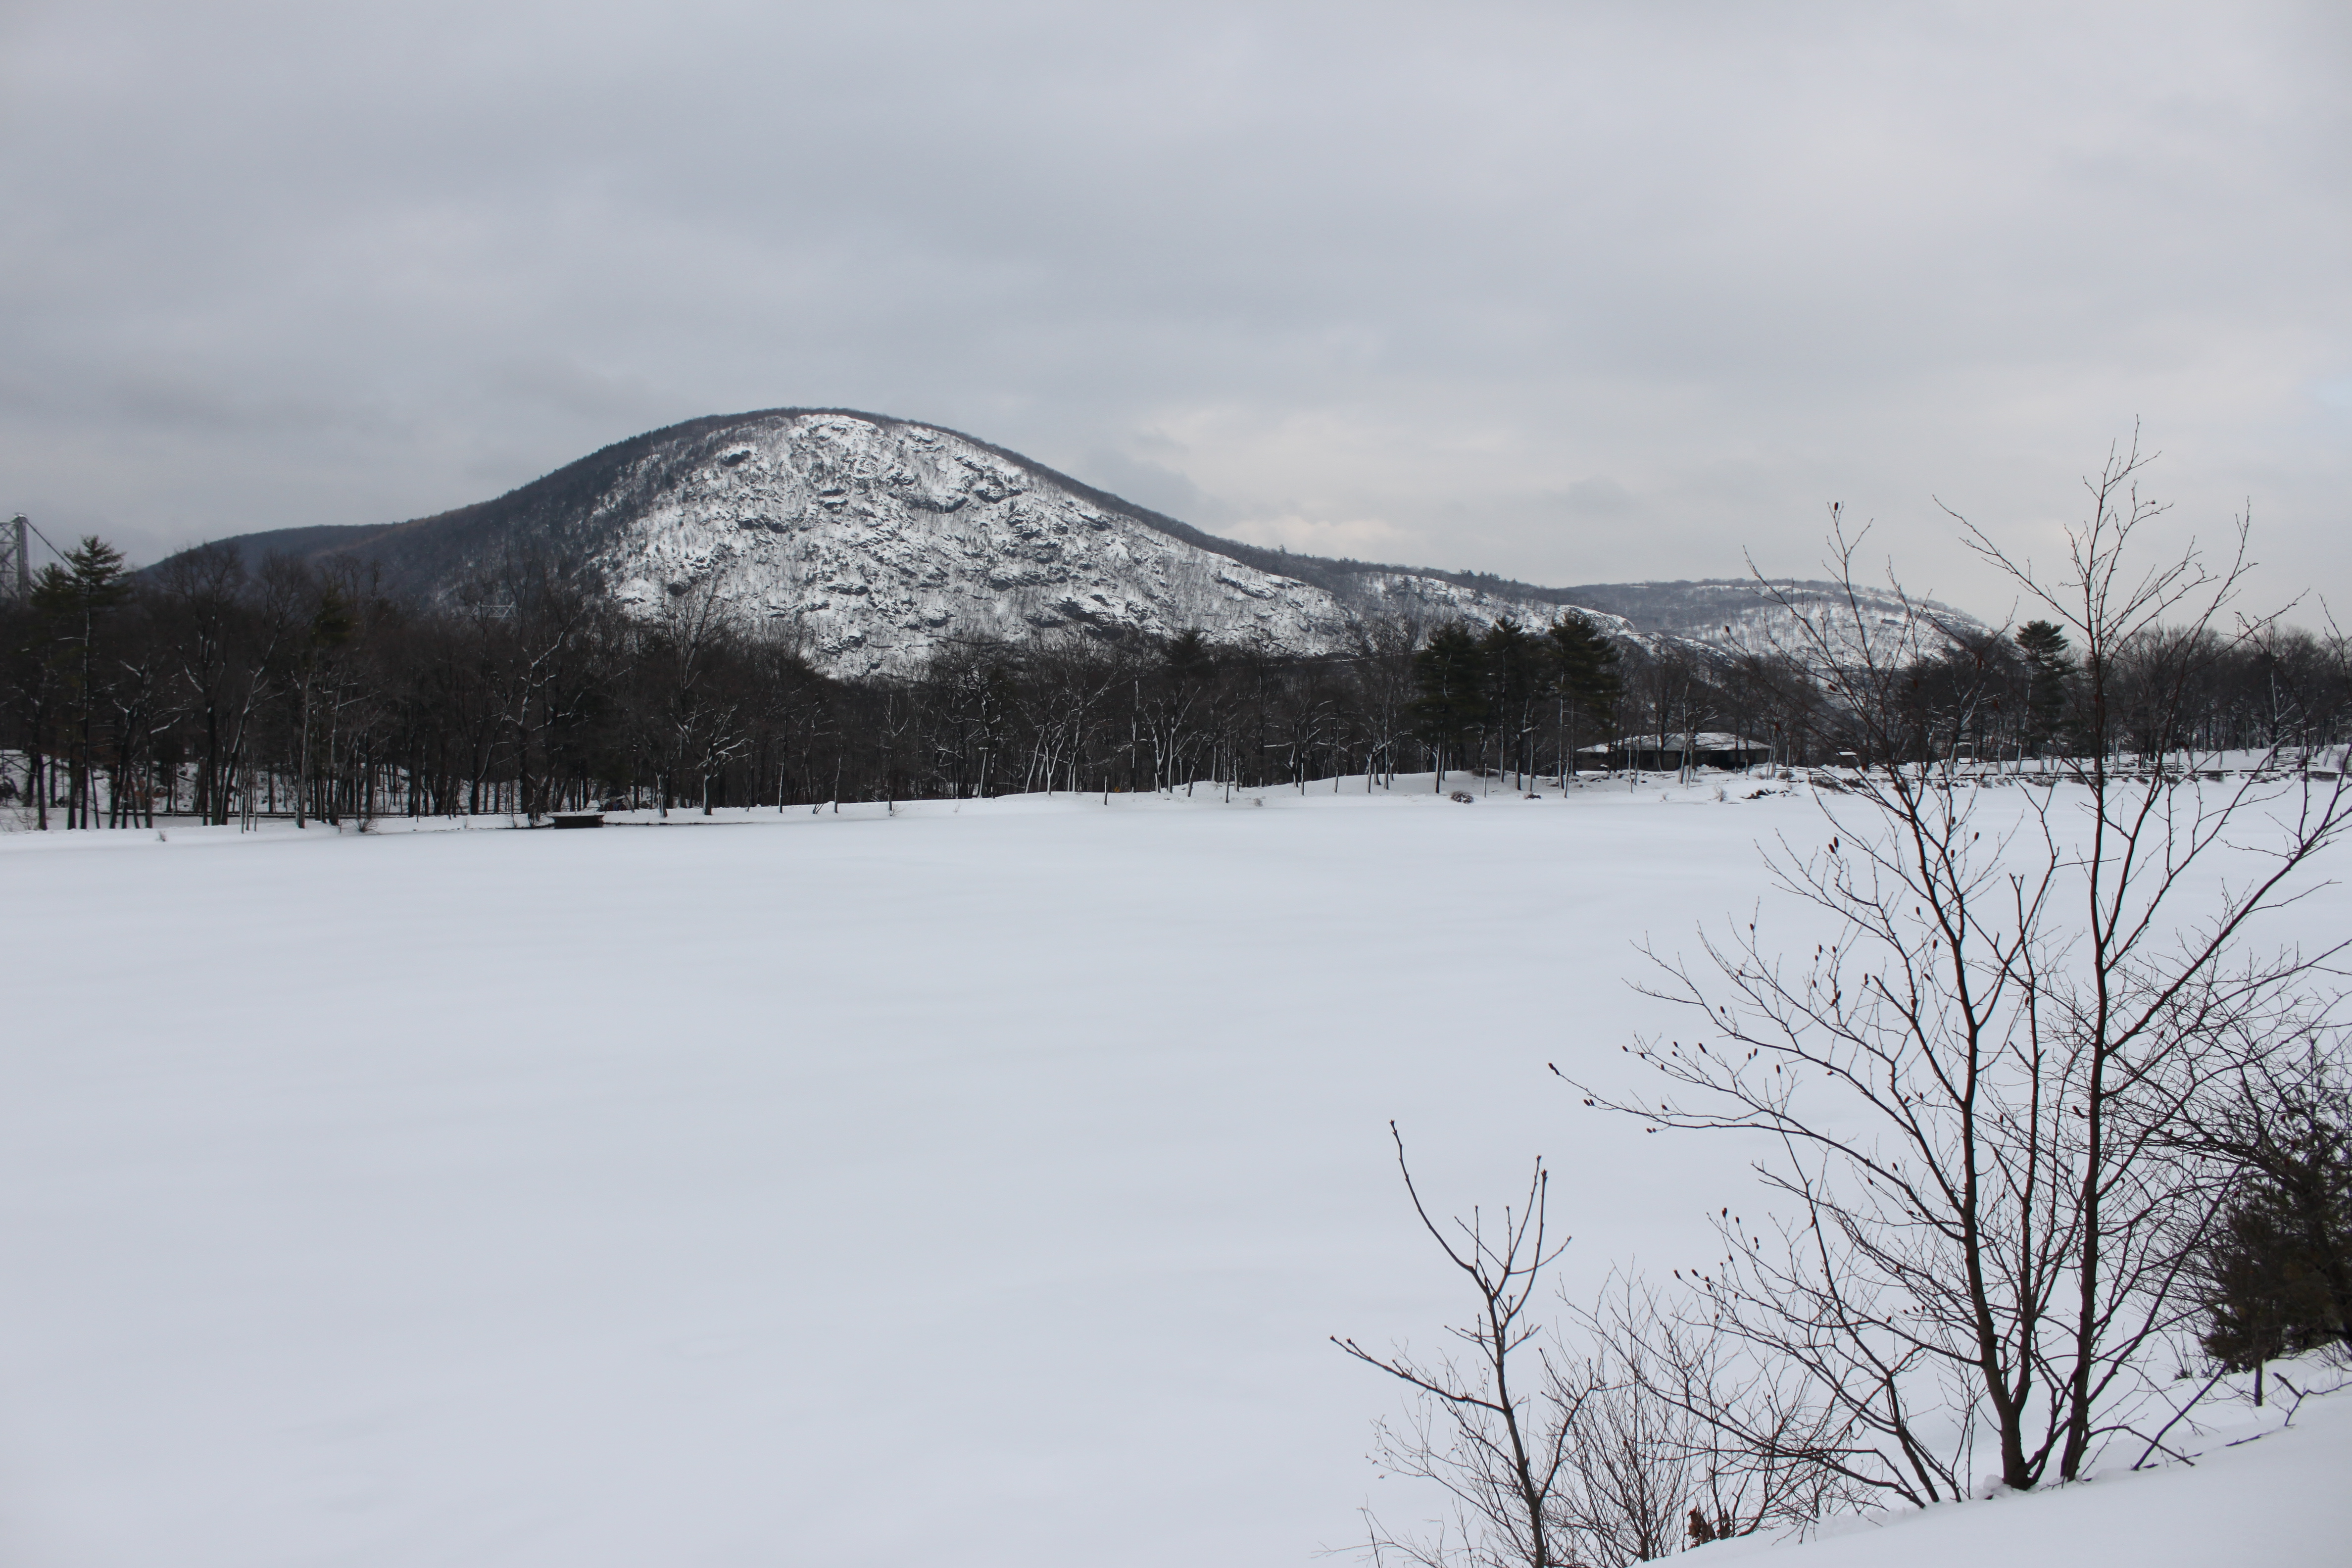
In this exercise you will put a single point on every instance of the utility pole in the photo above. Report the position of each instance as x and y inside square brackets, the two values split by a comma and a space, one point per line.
[18, 550]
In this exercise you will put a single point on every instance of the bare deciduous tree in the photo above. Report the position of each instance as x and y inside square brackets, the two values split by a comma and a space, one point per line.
[1656, 1432]
[1500, 1451]
[1969, 1086]
[1689, 1434]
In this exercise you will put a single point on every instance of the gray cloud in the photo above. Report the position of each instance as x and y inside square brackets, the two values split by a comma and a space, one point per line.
[1404, 280]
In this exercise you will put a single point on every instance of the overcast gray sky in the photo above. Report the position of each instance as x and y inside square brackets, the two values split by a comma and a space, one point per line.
[1572, 293]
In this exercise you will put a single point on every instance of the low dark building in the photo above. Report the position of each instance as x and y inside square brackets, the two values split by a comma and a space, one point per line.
[1662, 754]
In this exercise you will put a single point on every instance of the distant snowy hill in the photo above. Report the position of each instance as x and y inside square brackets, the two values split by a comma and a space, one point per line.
[1753, 616]
[875, 540]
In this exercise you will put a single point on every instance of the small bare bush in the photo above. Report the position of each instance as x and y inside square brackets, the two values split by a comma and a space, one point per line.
[1652, 1433]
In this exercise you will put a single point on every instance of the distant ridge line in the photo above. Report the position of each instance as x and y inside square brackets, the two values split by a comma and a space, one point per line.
[581, 510]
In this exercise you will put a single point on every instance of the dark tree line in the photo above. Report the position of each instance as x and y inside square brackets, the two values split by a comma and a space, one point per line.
[209, 690]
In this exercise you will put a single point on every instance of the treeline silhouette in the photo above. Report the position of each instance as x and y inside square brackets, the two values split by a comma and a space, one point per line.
[205, 687]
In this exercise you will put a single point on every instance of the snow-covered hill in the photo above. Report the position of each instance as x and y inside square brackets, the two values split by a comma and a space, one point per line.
[878, 539]
[873, 540]
[1752, 615]
[2254, 1489]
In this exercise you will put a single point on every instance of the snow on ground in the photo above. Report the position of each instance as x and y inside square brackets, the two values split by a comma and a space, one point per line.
[975, 1183]
[2254, 1492]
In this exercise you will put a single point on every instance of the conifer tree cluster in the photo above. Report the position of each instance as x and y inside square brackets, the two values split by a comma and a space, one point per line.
[2274, 1273]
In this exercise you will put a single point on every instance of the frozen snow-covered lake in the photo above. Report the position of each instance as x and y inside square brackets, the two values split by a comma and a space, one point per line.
[970, 1185]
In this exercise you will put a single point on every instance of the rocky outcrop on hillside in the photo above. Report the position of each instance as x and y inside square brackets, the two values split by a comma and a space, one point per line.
[873, 542]
[1799, 616]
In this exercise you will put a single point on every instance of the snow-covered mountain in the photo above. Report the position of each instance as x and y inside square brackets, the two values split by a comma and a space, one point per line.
[1753, 616]
[873, 540]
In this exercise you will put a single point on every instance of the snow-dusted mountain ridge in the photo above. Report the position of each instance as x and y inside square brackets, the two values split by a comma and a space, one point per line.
[875, 540]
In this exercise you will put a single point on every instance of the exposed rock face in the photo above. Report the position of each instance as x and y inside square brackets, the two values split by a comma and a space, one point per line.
[1751, 616]
[873, 542]
[1810, 621]
[877, 541]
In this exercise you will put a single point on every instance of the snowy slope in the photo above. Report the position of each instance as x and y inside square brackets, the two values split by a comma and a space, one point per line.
[975, 1185]
[874, 540]
[2255, 1491]
[1757, 617]
[878, 540]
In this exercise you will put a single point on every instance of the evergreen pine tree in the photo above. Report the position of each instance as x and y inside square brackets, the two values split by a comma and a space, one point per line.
[2277, 1271]
[1516, 679]
[70, 602]
[1449, 683]
[1586, 678]
[2049, 673]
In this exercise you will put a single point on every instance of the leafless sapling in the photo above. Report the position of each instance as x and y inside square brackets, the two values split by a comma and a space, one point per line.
[1488, 1428]
[1968, 1088]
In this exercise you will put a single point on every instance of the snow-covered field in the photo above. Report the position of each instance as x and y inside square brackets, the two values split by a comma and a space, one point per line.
[969, 1185]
